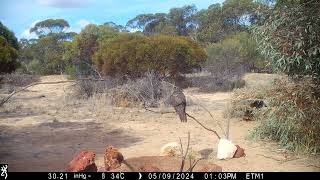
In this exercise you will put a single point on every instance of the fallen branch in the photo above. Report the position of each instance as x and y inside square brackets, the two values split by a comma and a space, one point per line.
[215, 132]
[4, 100]
[167, 112]
[269, 157]
[312, 165]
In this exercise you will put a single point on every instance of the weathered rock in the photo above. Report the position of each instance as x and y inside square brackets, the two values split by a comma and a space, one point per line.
[239, 152]
[112, 158]
[83, 162]
[226, 149]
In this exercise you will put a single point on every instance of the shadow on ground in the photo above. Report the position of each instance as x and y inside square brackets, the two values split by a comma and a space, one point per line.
[53, 144]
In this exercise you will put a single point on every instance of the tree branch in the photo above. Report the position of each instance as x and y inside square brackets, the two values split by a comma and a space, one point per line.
[215, 132]
[4, 100]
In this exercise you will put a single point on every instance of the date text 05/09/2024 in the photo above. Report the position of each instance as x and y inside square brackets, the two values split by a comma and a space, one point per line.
[188, 176]
[156, 176]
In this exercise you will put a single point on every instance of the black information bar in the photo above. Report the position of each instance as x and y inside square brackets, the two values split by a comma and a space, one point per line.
[163, 175]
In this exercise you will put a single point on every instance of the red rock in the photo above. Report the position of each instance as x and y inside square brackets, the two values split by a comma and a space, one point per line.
[239, 152]
[148, 169]
[112, 158]
[83, 162]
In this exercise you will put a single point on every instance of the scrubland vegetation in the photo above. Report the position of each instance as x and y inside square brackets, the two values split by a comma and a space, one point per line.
[209, 49]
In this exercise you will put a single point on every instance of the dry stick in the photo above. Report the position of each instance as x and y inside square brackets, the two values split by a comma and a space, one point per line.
[194, 164]
[185, 155]
[168, 112]
[215, 132]
[210, 115]
[4, 100]
[269, 157]
[312, 165]
[228, 128]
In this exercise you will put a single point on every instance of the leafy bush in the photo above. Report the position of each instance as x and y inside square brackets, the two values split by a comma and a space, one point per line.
[213, 83]
[133, 55]
[236, 52]
[79, 52]
[9, 36]
[290, 38]
[8, 56]
[8, 50]
[292, 116]
[238, 107]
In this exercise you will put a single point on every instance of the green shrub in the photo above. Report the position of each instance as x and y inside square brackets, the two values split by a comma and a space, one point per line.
[133, 55]
[71, 71]
[8, 56]
[239, 103]
[35, 67]
[292, 116]
[290, 37]
[214, 83]
[235, 51]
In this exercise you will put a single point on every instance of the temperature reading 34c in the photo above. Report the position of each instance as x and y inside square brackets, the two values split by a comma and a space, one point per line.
[113, 176]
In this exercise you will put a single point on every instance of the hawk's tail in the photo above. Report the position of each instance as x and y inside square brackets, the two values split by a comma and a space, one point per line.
[183, 116]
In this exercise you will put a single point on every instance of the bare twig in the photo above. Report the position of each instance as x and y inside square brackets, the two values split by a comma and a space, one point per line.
[269, 157]
[181, 147]
[228, 128]
[312, 165]
[4, 100]
[160, 112]
[195, 162]
[185, 155]
[210, 115]
[215, 132]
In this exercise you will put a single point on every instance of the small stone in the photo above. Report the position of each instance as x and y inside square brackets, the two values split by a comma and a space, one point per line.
[83, 162]
[239, 152]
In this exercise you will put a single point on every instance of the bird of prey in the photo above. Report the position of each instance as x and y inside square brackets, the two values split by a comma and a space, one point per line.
[178, 101]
